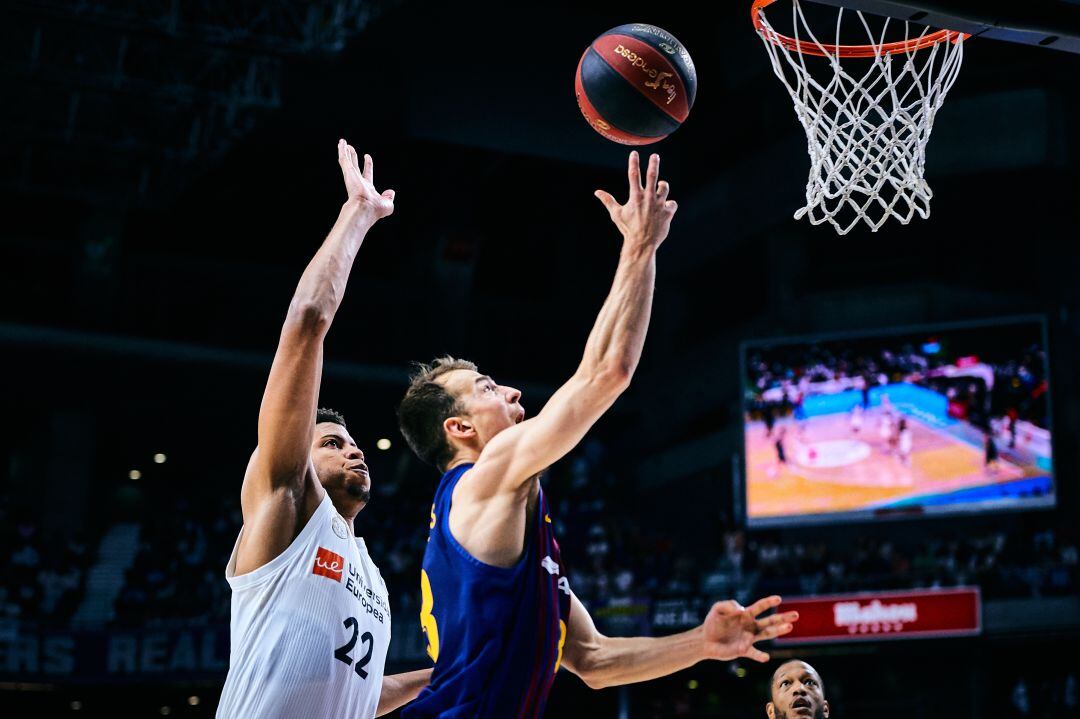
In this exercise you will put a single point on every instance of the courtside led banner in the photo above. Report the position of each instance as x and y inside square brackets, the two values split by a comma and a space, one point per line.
[885, 615]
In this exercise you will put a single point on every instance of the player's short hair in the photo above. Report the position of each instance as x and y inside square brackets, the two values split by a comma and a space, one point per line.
[325, 414]
[772, 679]
[426, 406]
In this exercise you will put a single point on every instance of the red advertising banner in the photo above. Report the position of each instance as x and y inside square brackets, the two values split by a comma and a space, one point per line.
[885, 615]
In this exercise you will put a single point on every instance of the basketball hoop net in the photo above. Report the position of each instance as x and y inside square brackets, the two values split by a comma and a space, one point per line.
[867, 125]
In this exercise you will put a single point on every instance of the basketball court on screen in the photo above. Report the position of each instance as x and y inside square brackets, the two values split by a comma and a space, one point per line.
[830, 467]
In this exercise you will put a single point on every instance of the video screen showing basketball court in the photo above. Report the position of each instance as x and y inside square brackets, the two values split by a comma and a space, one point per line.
[921, 421]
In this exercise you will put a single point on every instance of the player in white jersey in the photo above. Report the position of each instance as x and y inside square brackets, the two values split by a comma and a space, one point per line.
[310, 611]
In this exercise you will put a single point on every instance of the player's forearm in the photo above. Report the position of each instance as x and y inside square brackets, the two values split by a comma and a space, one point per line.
[400, 689]
[618, 336]
[618, 660]
[322, 286]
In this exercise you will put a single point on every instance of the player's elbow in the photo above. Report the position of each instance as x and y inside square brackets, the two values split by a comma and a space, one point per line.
[585, 664]
[596, 681]
[593, 677]
[613, 378]
[308, 317]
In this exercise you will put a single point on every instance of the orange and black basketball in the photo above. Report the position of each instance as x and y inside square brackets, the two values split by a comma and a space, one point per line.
[636, 84]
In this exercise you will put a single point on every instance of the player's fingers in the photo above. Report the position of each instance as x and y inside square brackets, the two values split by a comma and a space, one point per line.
[764, 604]
[389, 194]
[662, 189]
[652, 173]
[633, 173]
[342, 152]
[773, 632]
[671, 206]
[609, 202]
[369, 168]
[762, 624]
[785, 618]
[757, 655]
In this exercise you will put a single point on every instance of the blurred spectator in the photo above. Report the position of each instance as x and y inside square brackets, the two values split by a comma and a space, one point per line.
[41, 580]
[614, 555]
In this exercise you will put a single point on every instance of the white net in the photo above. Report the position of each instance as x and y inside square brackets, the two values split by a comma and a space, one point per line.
[867, 125]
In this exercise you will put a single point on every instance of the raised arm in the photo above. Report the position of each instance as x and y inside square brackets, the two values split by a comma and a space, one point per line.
[287, 414]
[728, 632]
[400, 689]
[611, 352]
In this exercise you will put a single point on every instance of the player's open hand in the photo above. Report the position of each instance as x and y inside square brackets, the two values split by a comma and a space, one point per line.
[646, 216]
[731, 630]
[361, 184]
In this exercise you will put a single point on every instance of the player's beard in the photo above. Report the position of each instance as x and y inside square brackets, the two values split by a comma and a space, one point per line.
[357, 492]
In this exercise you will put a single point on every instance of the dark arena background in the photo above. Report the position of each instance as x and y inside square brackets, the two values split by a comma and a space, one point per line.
[168, 169]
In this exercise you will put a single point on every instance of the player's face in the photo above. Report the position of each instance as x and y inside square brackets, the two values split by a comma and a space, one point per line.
[797, 692]
[340, 465]
[489, 407]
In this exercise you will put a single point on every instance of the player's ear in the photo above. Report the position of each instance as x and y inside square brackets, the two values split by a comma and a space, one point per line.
[770, 709]
[825, 710]
[459, 428]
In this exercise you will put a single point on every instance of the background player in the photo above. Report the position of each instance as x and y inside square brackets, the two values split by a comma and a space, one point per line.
[796, 691]
[991, 457]
[781, 458]
[885, 427]
[498, 611]
[904, 442]
[856, 418]
[310, 613]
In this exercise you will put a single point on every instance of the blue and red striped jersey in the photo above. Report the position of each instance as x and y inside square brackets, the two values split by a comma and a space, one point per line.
[496, 634]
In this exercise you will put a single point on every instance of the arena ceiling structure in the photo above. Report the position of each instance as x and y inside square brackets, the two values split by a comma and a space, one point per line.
[122, 103]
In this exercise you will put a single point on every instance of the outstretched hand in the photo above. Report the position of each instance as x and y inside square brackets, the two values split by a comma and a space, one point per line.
[732, 630]
[646, 216]
[360, 184]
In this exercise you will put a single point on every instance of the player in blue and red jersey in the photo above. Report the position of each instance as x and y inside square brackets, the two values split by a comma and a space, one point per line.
[498, 611]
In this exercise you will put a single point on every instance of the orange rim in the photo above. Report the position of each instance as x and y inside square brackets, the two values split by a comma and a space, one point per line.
[812, 48]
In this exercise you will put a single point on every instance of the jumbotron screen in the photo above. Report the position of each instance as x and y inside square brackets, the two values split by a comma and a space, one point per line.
[936, 420]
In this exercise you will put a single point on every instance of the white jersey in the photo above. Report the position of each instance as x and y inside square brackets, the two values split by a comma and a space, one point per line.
[310, 629]
[885, 429]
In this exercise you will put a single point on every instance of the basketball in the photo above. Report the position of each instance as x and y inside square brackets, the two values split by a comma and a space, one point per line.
[636, 84]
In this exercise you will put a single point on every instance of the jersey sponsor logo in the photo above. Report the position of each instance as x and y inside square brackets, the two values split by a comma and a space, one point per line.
[371, 601]
[328, 564]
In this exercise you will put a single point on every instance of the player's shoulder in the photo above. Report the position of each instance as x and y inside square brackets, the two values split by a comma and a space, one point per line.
[302, 489]
[365, 555]
[468, 482]
[486, 487]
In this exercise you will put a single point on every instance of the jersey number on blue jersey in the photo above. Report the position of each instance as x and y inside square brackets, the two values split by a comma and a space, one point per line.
[427, 619]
